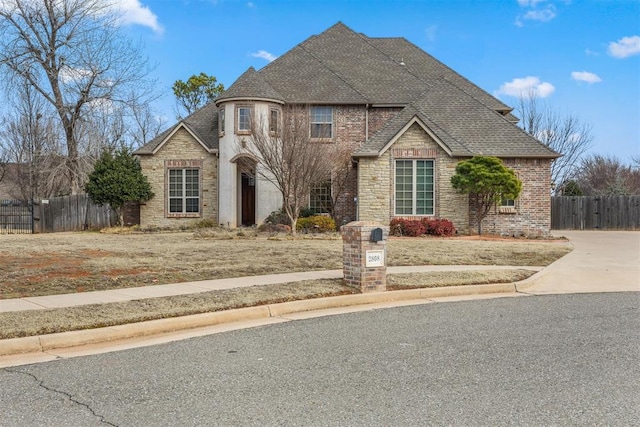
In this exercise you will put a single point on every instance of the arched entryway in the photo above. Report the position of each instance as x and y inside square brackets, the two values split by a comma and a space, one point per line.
[246, 170]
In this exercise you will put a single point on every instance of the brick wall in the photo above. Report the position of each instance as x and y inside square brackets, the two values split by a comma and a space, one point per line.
[356, 241]
[182, 146]
[532, 215]
[350, 131]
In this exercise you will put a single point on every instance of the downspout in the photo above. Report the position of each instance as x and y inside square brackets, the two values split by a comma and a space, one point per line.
[366, 122]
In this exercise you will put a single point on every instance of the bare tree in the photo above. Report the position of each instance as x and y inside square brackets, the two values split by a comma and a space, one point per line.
[73, 54]
[607, 176]
[565, 134]
[145, 124]
[28, 140]
[342, 176]
[289, 159]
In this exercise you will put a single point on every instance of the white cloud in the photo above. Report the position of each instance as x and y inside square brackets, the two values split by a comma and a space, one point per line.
[134, 13]
[585, 76]
[538, 10]
[430, 32]
[264, 55]
[626, 46]
[525, 86]
[251, 5]
[530, 3]
[542, 15]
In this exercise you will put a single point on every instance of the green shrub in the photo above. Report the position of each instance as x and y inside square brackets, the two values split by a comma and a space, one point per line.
[277, 217]
[205, 223]
[316, 224]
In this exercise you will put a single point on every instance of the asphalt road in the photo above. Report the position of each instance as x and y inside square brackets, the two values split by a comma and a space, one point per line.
[536, 360]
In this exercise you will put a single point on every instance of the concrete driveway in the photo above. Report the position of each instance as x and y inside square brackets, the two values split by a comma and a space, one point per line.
[601, 261]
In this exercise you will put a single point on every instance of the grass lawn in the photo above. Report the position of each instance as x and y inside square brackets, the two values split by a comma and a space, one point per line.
[45, 264]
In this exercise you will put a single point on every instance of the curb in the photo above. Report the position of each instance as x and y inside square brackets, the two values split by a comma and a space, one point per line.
[44, 343]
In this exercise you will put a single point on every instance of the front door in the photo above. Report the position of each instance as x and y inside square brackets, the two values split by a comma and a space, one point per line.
[248, 199]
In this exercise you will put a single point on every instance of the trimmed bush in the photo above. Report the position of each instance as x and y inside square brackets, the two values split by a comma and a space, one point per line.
[438, 227]
[316, 223]
[415, 228]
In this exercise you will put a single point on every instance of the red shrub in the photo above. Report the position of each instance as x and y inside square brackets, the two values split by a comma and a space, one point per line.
[396, 227]
[438, 227]
[413, 228]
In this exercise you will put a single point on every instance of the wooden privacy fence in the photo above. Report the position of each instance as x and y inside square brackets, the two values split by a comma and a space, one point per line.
[595, 213]
[72, 213]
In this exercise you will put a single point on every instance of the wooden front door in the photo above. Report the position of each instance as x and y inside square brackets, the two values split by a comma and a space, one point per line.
[248, 200]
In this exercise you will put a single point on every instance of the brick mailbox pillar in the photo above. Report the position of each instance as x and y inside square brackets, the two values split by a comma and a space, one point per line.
[364, 255]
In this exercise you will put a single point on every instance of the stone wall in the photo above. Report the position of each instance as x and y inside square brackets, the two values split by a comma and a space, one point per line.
[376, 180]
[181, 146]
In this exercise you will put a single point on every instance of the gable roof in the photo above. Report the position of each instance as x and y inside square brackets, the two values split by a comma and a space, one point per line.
[203, 125]
[460, 124]
[340, 66]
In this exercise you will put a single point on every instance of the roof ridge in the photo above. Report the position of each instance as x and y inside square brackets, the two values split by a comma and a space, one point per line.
[301, 45]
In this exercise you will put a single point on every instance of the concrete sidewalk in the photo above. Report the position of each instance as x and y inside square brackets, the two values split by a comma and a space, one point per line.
[157, 291]
[600, 262]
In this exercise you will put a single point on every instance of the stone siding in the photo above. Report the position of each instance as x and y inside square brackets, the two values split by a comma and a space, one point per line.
[182, 146]
[376, 180]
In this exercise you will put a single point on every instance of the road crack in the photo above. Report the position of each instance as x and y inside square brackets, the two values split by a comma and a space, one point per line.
[69, 396]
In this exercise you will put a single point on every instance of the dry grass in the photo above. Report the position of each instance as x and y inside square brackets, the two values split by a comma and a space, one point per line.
[46, 264]
[28, 323]
[77, 262]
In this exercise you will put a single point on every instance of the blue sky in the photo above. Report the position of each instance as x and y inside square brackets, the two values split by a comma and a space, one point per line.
[582, 57]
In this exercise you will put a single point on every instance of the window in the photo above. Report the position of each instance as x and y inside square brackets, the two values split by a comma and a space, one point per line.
[244, 119]
[321, 122]
[414, 187]
[184, 191]
[221, 121]
[320, 198]
[507, 206]
[274, 121]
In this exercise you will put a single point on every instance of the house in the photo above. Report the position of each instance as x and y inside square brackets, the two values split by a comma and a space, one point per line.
[407, 117]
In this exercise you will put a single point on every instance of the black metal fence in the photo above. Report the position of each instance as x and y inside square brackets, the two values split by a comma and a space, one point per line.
[68, 213]
[16, 217]
[595, 213]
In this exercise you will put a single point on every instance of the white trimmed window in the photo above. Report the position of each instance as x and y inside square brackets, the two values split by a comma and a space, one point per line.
[184, 191]
[320, 198]
[414, 187]
[321, 122]
[243, 119]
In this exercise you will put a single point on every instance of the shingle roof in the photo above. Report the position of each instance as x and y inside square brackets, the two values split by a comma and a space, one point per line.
[203, 123]
[250, 85]
[462, 124]
[340, 66]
